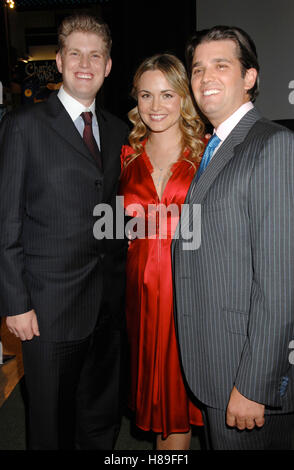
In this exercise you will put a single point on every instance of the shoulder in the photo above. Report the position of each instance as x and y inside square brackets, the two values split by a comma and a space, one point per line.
[266, 129]
[23, 117]
[272, 147]
[112, 120]
[266, 135]
[23, 111]
[126, 152]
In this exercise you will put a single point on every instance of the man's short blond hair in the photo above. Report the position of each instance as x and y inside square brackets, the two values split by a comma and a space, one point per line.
[85, 23]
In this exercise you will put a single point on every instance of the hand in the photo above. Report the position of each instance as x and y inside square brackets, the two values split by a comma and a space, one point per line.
[23, 326]
[243, 413]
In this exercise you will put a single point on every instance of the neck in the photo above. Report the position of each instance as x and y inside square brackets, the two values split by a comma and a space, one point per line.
[164, 149]
[165, 139]
[85, 102]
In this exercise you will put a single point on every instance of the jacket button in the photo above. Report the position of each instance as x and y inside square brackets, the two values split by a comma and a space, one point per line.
[98, 182]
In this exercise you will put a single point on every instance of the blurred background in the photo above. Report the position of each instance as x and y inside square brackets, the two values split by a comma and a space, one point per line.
[139, 28]
[28, 43]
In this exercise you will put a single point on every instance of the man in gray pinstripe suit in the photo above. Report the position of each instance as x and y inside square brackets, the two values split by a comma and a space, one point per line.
[234, 295]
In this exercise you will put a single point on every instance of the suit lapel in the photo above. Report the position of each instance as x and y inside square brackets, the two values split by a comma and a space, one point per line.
[104, 138]
[198, 189]
[109, 153]
[62, 123]
[226, 151]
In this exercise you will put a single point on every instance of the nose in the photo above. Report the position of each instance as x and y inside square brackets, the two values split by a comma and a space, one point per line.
[155, 105]
[207, 75]
[84, 60]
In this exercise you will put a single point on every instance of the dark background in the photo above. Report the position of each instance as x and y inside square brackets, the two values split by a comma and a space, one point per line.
[139, 29]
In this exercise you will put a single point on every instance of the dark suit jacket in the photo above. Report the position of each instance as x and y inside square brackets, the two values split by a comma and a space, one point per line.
[49, 186]
[235, 294]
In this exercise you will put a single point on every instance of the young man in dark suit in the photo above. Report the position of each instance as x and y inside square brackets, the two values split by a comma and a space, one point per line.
[234, 294]
[59, 159]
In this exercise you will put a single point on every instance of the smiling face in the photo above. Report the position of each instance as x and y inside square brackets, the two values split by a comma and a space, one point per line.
[217, 81]
[84, 65]
[158, 104]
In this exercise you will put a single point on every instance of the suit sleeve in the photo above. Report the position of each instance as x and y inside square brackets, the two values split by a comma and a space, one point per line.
[14, 298]
[265, 360]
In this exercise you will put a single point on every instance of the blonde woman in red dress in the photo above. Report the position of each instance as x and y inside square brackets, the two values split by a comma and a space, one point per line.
[166, 145]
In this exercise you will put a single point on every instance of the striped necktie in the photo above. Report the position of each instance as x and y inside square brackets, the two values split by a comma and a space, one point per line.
[89, 138]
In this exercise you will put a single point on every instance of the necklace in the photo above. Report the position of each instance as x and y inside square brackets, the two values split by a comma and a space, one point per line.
[161, 174]
[161, 168]
[158, 176]
[157, 167]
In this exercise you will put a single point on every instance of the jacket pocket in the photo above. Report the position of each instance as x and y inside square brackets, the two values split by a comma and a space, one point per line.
[236, 321]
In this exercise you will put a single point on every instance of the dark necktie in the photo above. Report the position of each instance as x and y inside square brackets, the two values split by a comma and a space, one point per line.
[89, 138]
[210, 147]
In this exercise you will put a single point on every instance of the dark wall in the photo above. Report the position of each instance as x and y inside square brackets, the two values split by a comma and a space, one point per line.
[140, 29]
[270, 24]
[4, 61]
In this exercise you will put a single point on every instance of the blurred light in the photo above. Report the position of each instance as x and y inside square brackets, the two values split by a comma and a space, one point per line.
[10, 3]
[23, 4]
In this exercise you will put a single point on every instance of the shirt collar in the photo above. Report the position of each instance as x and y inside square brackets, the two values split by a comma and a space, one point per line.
[72, 106]
[224, 129]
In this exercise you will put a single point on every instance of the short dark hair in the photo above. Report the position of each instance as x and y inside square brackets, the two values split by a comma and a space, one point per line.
[247, 54]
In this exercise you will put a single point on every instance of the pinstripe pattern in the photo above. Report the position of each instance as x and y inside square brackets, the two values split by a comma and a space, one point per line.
[274, 435]
[235, 295]
[49, 186]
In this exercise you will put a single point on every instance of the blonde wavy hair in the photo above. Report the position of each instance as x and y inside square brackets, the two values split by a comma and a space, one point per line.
[191, 126]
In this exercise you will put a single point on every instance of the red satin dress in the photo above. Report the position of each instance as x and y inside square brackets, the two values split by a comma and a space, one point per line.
[157, 392]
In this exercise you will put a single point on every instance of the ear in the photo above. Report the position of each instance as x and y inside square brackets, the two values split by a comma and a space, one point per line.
[59, 62]
[108, 67]
[250, 79]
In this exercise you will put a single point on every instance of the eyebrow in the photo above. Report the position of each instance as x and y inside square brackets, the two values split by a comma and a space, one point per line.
[79, 50]
[162, 91]
[216, 60]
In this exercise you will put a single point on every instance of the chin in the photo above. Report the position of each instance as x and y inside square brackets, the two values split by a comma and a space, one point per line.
[85, 93]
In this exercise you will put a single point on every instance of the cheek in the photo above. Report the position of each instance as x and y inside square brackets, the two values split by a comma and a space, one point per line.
[174, 108]
[68, 66]
[142, 107]
[195, 87]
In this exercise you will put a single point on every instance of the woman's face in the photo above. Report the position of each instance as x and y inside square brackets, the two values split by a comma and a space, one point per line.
[158, 104]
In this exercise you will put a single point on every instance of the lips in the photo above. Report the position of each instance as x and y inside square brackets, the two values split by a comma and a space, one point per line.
[210, 92]
[157, 117]
[84, 76]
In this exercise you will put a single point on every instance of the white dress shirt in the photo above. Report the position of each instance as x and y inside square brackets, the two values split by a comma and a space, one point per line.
[226, 127]
[74, 109]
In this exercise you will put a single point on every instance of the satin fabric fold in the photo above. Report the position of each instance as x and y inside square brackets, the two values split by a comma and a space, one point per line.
[157, 391]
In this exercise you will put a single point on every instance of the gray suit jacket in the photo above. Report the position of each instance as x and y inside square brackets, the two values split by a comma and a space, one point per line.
[234, 296]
